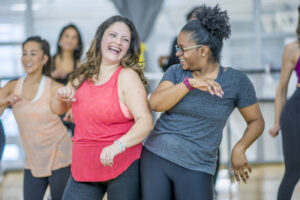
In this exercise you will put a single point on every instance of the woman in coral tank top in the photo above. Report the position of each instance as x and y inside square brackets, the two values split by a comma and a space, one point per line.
[44, 137]
[111, 113]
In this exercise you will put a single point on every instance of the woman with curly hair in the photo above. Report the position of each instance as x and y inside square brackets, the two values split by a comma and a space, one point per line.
[111, 113]
[287, 114]
[179, 158]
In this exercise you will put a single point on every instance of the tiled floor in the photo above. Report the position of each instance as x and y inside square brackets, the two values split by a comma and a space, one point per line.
[263, 185]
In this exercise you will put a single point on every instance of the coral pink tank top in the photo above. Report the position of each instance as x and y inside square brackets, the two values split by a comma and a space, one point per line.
[45, 139]
[99, 121]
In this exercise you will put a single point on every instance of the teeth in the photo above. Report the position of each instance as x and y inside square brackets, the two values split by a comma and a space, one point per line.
[115, 49]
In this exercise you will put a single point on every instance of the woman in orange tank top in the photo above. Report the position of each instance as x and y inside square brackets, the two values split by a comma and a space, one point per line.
[111, 114]
[44, 137]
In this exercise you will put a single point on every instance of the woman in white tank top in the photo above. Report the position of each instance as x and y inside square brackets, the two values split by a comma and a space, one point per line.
[44, 137]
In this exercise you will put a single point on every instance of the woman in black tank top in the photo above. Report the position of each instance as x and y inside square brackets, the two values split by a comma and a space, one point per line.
[67, 57]
[66, 60]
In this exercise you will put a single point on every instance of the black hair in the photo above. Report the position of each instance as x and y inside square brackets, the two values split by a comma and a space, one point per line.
[78, 50]
[46, 50]
[210, 28]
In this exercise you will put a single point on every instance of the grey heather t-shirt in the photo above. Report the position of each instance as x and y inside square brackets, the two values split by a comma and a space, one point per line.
[190, 133]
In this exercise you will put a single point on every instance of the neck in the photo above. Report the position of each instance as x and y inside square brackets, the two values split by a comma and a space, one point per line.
[209, 70]
[34, 78]
[67, 54]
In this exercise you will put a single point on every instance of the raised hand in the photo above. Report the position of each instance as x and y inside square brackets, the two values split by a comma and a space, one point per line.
[209, 85]
[66, 93]
[12, 99]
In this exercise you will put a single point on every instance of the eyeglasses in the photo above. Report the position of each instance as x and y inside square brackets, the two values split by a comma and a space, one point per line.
[181, 50]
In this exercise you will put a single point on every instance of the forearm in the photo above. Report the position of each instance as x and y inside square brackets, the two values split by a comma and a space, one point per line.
[253, 131]
[280, 100]
[165, 99]
[138, 131]
[59, 107]
[3, 105]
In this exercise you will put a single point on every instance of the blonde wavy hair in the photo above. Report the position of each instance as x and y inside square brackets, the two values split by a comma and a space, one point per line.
[92, 61]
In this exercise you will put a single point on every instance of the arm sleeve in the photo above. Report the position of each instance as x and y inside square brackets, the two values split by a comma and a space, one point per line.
[170, 74]
[246, 94]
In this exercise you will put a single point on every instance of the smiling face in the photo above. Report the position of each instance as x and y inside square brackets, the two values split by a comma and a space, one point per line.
[115, 43]
[191, 59]
[69, 39]
[33, 57]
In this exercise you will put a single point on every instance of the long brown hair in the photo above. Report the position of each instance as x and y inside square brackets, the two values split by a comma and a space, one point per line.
[92, 61]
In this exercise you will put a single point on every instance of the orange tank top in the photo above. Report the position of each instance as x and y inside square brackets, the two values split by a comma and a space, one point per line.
[45, 139]
[99, 121]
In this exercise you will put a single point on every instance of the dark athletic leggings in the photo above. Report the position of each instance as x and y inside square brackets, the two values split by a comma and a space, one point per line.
[34, 188]
[125, 187]
[164, 180]
[290, 128]
[2, 140]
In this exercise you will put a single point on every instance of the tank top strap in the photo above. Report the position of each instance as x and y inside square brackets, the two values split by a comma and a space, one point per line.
[18, 87]
[114, 79]
[117, 73]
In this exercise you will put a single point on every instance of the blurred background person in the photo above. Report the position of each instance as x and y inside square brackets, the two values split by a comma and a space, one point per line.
[287, 116]
[68, 53]
[44, 137]
[66, 60]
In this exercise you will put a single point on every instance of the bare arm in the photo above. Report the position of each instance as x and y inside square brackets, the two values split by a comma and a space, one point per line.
[255, 127]
[135, 98]
[288, 65]
[168, 95]
[6, 95]
[62, 98]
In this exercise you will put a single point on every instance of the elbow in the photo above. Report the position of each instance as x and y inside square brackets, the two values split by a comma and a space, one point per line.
[260, 126]
[155, 106]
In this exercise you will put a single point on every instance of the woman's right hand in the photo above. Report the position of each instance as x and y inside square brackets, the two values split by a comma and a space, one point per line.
[12, 99]
[274, 130]
[209, 85]
[66, 94]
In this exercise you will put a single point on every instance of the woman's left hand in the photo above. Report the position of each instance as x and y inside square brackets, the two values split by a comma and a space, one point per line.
[209, 85]
[240, 165]
[108, 153]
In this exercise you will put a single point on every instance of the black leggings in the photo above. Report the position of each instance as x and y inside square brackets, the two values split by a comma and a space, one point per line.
[290, 128]
[35, 188]
[2, 140]
[164, 180]
[125, 187]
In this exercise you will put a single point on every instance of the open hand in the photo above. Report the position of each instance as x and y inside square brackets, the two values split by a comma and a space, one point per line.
[209, 85]
[240, 165]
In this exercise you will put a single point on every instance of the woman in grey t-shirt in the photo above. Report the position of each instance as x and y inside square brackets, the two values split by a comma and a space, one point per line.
[179, 158]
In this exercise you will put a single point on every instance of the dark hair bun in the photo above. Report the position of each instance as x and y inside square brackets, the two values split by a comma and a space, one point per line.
[215, 21]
